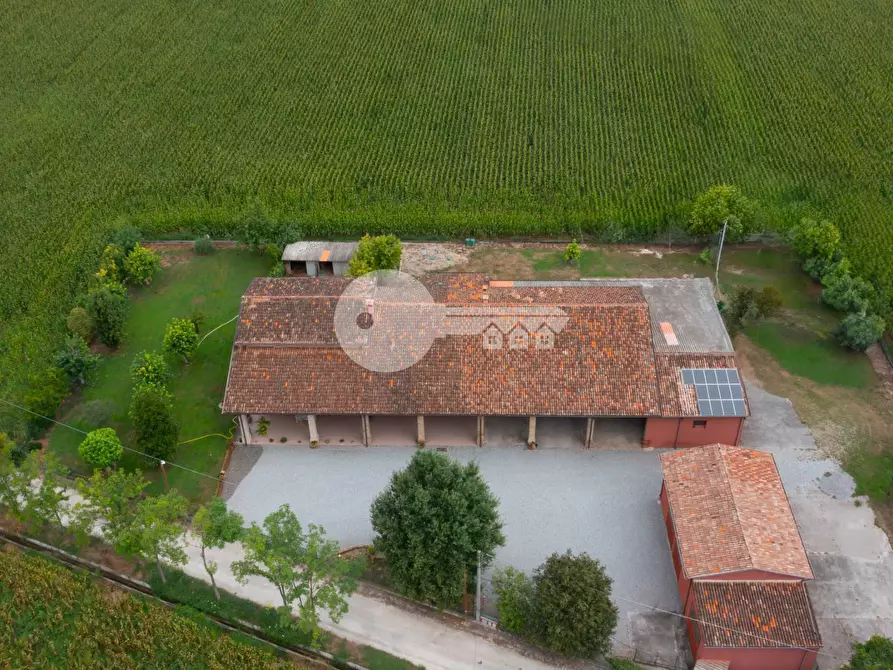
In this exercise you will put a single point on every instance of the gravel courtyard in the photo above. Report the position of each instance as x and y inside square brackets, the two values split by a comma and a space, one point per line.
[601, 502]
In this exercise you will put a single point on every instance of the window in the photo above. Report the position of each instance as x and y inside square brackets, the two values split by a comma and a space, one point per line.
[699, 424]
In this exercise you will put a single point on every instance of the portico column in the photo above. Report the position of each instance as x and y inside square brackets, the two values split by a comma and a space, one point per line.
[367, 430]
[245, 429]
[314, 435]
[590, 432]
[420, 423]
[482, 432]
[531, 433]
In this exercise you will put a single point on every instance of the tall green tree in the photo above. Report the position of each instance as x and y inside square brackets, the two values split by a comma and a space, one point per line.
[572, 612]
[305, 568]
[181, 338]
[215, 527]
[32, 492]
[109, 500]
[719, 205]
[107, 309]
[152, 413]
[155, 532]
[876, 654]
[431, 521]
[382, 252]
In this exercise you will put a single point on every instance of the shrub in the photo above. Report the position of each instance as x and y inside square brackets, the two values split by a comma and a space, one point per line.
[149, 367]
[127, 238]
[142, 265]
[718, 205]
[876, 654]
[572, 252]
[514, 593]
[107, 308]
[80, 323]
[277, 270]
[431, 521]
[847, 293]
[382, 252]
[101, 448]
[816, 240]
[747, 305]
[181, 338]
[860, 330]
[274, 252]
[572, 611]
[817, 268]
[76, 360]
[204, 246]
[111, 266]
[48, 388]
[152, 414]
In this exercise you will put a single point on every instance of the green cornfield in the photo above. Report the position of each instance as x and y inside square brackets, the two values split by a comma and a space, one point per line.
[486, 117]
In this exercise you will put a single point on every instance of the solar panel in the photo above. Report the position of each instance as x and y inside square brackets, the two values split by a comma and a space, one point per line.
[718, 391]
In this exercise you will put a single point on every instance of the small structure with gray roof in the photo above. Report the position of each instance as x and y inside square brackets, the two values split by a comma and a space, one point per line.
[318, 258]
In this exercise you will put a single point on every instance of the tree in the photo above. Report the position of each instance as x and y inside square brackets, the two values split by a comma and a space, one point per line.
[431, 521]
[816, 240]
[156, 530]
[514, 592]
[572, 611]
[382, 252]
[860, 330]
[101, 448]
[304, 567]
[215, 527]
[149, 368]
[80, 323]
[876, 654]
[847, 293]
[573, 252]
[111, 266]
[718, 205]
[747, 305]
[32, 492]
[141, 265]
[157, 433]
[76, 360]
[107, 308]
[110, 500]
[127, 238]
[181, 338]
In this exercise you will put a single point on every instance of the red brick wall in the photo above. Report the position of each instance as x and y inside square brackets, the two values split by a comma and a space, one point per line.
[759, 659]
[671, 433]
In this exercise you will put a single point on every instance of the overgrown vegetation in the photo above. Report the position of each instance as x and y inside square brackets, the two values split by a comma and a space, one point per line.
[876, 654]
[381, 252]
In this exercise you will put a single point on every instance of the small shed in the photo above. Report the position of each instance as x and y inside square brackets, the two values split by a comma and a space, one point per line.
[316, 259]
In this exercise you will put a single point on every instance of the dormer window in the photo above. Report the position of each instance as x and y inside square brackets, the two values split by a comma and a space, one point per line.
[492, 338]
[545, 338]
[518, 338]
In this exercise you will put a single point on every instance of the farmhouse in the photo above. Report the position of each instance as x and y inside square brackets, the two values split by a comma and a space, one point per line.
[556, 363]
[318, 258]
[739, 560]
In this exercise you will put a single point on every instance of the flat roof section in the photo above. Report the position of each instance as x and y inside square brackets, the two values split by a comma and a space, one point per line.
[333, 252]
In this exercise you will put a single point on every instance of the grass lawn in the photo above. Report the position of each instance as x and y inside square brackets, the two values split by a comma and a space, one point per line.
[212, 284]
[800, 338]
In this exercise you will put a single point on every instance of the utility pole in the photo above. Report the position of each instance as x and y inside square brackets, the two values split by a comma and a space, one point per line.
[477, 597]
[722, 239]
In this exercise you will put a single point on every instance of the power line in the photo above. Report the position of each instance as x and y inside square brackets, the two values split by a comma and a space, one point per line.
[162, 461]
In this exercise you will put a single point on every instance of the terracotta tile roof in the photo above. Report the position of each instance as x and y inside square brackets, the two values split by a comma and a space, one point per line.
[755, 614]
[678, 399]
[287, 360]
[731, 513]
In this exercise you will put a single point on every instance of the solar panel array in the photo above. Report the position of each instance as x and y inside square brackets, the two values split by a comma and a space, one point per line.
[719, 391]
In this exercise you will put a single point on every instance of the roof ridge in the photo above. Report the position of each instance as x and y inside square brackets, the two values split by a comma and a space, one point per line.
[727, 480]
